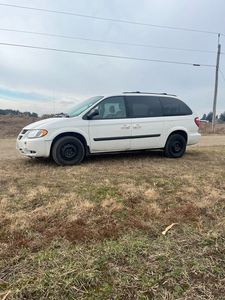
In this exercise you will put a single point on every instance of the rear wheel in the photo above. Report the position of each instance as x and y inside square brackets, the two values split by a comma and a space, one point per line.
[68, 151]
[175, 146]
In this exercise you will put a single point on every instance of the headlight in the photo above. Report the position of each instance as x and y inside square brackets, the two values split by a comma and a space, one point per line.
[36, 133]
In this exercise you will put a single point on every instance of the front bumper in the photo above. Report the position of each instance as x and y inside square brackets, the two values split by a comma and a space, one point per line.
[38, 147]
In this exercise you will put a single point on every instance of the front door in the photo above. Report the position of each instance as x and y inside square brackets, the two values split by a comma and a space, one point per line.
[111, 129]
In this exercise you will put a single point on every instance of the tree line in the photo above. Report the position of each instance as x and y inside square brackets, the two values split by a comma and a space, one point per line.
[17, 112]
[208, 117]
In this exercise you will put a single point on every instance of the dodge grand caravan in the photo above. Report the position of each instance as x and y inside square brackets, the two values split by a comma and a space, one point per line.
[121, 122]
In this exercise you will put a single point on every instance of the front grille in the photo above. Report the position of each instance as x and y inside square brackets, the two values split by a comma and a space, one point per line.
[24, 131]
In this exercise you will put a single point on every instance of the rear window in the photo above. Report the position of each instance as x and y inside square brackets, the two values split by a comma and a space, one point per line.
[174, 107]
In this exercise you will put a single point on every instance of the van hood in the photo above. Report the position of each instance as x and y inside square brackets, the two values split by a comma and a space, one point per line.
[43, 124]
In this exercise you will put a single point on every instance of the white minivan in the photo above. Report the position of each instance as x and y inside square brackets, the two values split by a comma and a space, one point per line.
[121, 122]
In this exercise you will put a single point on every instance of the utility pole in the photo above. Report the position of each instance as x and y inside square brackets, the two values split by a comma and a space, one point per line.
[216, 85]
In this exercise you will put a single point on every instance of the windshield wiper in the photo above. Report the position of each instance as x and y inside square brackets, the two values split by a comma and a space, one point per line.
[61, 115]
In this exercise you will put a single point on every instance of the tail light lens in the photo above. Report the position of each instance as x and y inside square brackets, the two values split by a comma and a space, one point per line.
[197, 122]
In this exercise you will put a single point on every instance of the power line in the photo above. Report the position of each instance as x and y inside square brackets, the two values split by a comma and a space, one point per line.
[106, 55]
[222, 74]
[103, 41]
[107, 19]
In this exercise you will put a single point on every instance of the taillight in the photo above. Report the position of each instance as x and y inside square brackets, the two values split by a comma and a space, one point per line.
[197, 122]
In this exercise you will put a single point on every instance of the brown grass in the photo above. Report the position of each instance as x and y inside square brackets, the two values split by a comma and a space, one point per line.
[206, 128]
[90, 231]
[94, 231]
[11, 125]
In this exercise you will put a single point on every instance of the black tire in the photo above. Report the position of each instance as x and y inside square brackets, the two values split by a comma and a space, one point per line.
[68, 151]
[175, 146]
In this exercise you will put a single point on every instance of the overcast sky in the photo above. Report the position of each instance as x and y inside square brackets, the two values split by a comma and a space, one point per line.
[45, 81]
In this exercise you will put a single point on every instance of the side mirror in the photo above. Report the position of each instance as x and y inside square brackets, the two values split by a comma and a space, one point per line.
[92, 113]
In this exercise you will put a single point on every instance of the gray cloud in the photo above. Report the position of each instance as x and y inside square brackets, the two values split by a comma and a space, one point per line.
[66, 103]
[65, 77]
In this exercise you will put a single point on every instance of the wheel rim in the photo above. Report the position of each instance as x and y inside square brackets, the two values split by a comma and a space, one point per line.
[176, 146]
[69, 151]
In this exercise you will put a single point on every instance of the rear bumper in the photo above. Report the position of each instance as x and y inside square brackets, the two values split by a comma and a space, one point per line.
[193, 138]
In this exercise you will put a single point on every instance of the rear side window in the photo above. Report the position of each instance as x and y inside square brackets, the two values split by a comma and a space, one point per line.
[144, 106]
[174, 107]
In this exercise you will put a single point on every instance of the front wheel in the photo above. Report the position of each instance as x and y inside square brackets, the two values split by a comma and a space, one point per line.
[68, 151]
[175, 146]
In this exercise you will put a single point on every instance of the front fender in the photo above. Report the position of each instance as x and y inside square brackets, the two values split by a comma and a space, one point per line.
[53, 134]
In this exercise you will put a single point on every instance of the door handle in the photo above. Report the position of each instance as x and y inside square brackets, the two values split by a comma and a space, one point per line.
[125, 126]
[136, 126]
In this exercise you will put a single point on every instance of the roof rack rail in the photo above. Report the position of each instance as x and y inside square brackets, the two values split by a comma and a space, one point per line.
[138, 92]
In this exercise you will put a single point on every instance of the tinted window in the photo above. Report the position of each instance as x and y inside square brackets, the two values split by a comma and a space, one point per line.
[144, 106]
[174, 107]
[111, 108]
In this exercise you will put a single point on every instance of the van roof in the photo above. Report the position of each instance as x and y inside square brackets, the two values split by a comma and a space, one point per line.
[146, 93]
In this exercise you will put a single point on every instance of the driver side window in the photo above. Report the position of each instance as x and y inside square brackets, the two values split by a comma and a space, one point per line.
[111, 108]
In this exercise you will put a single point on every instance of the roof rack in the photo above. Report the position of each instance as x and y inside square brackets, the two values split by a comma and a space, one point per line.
[138, 92]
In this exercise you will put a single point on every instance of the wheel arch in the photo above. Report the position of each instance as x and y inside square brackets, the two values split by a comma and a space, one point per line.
[181, 132]
[74, 134]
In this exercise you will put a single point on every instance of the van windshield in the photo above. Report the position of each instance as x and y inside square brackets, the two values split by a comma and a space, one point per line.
[79, 108]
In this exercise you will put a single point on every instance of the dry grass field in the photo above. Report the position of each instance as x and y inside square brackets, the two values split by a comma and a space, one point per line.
[94, 231]
[206, 128]
[11, 125]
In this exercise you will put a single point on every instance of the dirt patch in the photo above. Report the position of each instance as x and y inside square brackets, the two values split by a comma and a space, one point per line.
[211, 140]
[8, 149]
